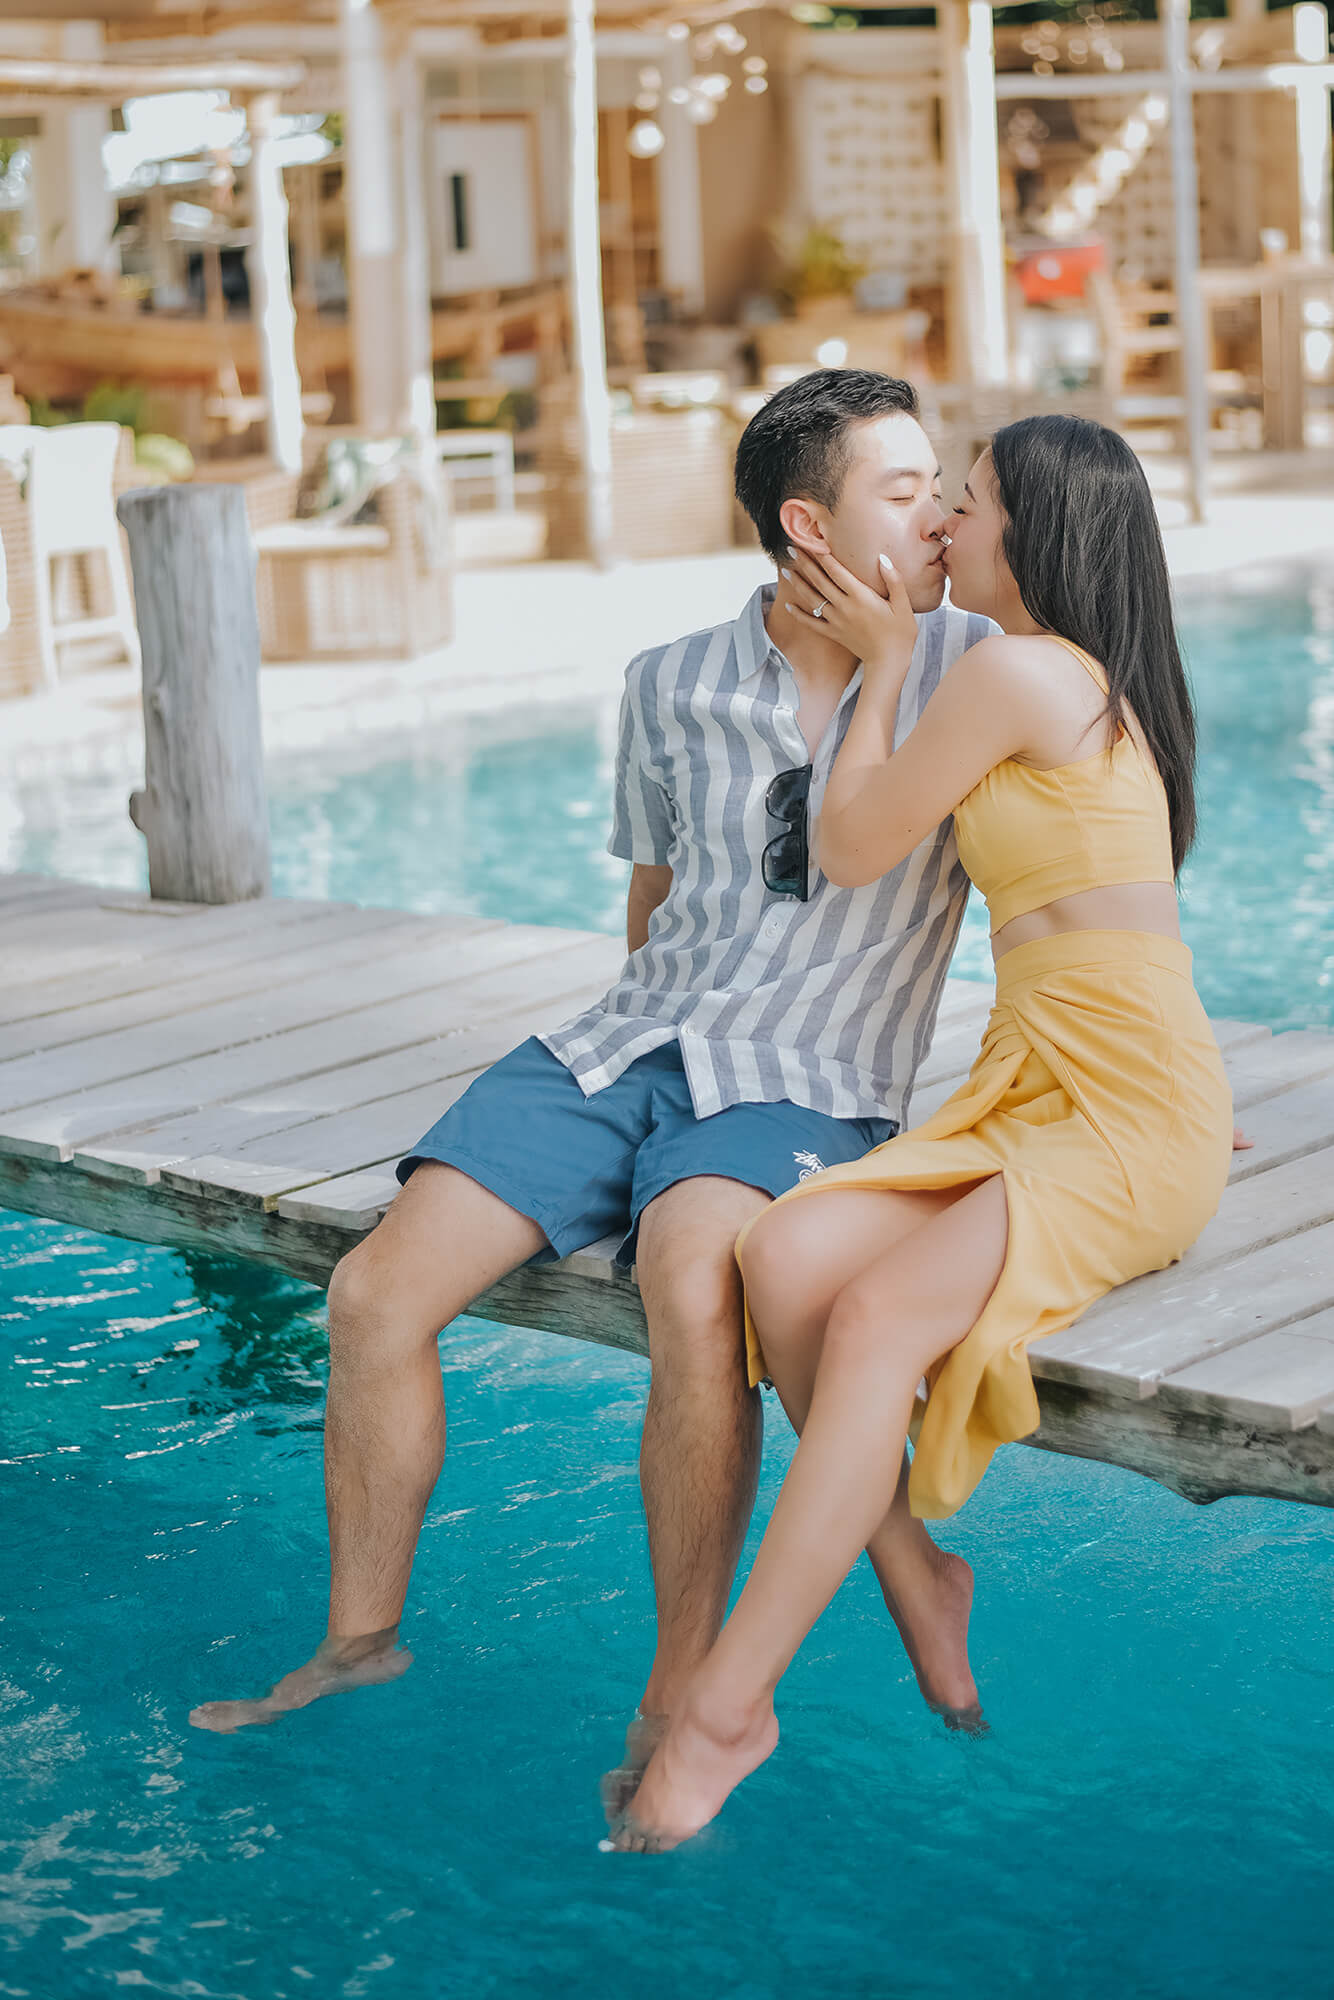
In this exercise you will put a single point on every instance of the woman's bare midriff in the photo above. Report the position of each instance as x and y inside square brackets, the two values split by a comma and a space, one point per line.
[1128, 906]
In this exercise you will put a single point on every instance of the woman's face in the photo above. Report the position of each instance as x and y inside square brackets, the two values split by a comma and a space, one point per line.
[979, 575]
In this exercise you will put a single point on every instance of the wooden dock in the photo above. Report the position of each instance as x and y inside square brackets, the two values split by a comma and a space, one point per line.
[241, 1079]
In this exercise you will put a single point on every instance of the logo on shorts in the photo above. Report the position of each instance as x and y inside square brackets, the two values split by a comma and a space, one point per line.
[809, 1163]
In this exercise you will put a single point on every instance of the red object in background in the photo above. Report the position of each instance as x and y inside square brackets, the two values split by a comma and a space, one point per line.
[1058, 272]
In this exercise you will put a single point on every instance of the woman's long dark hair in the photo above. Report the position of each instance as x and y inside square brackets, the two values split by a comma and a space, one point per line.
[1082, 541]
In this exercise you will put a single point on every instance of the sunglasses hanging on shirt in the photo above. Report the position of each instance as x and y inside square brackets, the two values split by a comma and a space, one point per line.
[785, 863]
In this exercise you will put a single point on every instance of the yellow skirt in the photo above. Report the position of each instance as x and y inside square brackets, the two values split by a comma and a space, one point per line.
[1099, 1095]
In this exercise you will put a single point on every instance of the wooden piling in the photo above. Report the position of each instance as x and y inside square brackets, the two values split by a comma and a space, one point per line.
[203, 811]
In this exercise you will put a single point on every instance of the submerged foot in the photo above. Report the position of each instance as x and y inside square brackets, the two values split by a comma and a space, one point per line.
[620, 1784]
[932, 1618]
[700, 1761]
[339, 1665]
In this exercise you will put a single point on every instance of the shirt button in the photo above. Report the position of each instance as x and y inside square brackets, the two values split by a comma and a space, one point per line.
[773, 927]
[687, 1029]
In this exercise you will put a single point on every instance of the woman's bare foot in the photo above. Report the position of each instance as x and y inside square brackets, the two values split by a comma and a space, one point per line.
[339, 1664]
[620, 1785]
[932, 1617]
[703, 1757]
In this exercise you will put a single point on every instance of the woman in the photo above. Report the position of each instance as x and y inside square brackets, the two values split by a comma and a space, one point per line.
[1091, 1140]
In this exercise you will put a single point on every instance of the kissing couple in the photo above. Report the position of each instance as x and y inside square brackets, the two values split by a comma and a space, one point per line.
[805, 794]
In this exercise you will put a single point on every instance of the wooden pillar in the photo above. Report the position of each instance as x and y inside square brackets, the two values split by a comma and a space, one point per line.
[680, 232]
[979, 340]
[1175, 16]
[1246, 143]
[1310, 32]
[584, 267]
[75, 215]
[271, 289]
[415, 341]
[371, 197]
[203, 810]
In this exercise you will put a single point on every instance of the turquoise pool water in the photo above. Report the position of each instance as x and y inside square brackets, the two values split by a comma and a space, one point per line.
[1150, 1816]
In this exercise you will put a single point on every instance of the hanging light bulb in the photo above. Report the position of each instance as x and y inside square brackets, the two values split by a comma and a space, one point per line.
[678, 31]
[715, 86]
[645, 140]
[650, 78]
[678, 94]
[757, 85]
[701, 110]
[755, 66]
[647, 100]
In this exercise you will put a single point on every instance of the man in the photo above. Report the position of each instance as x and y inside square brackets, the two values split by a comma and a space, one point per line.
[766, 1024]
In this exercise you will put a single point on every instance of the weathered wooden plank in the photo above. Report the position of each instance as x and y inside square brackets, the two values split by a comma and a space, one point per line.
[1160, 1324]
[1281, 1378]
[1287, 1127]
[21, 895]
[227, 1129]
[129, 1052]
[56, 1129]
[1199, 1454]
[1264, 1208]
[139, 930]
[354, 1201]
[243, 930]
[313, 950]
[367, 1134]
[1297, 1056]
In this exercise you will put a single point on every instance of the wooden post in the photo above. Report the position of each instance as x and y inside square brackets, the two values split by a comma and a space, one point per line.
[371, 195]
[1310, 33]
[271, 289]
[979, 341]
[1175, 15]
[679, 228]
[75, 214]
[584, 264]
[417, 414]
[203, 810]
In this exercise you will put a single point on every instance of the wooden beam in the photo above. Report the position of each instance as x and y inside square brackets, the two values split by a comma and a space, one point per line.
[979, 343]
[418, 373]
[584, 259]
[271, 289]
[371, 193]
[1175, 16]
[113, 83]
[1310, 29]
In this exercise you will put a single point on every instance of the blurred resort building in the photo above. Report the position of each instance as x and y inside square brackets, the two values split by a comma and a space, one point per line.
[488, 280]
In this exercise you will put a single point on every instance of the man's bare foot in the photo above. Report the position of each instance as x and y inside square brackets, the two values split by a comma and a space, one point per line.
[620, 1785]
[339, 1664]
[932, 1617]
[703, 1757]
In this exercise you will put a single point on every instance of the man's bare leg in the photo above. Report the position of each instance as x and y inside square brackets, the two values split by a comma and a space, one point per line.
[699, 1460]
[444, 1240]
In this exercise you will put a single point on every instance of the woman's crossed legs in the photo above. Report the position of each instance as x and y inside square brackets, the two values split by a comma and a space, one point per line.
[855, 1294]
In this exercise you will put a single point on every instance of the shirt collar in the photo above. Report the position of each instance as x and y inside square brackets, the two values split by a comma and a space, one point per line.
[754, 647]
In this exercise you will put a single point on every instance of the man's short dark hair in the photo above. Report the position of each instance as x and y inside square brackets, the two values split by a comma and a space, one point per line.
[798, 445]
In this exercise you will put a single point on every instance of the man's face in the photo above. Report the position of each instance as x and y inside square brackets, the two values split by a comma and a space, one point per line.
[890, 505]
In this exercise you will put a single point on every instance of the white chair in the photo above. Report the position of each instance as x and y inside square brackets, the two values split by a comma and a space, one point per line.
[72, 508]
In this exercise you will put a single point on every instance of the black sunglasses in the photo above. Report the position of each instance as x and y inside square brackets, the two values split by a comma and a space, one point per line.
[785, 863]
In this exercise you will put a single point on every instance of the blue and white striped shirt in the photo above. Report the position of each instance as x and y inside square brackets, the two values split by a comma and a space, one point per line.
[828, 1003]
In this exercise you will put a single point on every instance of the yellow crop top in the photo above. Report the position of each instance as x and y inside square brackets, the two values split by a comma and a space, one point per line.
[1027, 837]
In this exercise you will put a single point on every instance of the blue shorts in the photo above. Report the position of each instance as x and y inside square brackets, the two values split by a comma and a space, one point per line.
[587, 1167]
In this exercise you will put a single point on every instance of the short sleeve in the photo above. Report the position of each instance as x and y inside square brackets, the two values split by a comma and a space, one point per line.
[642, 827]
